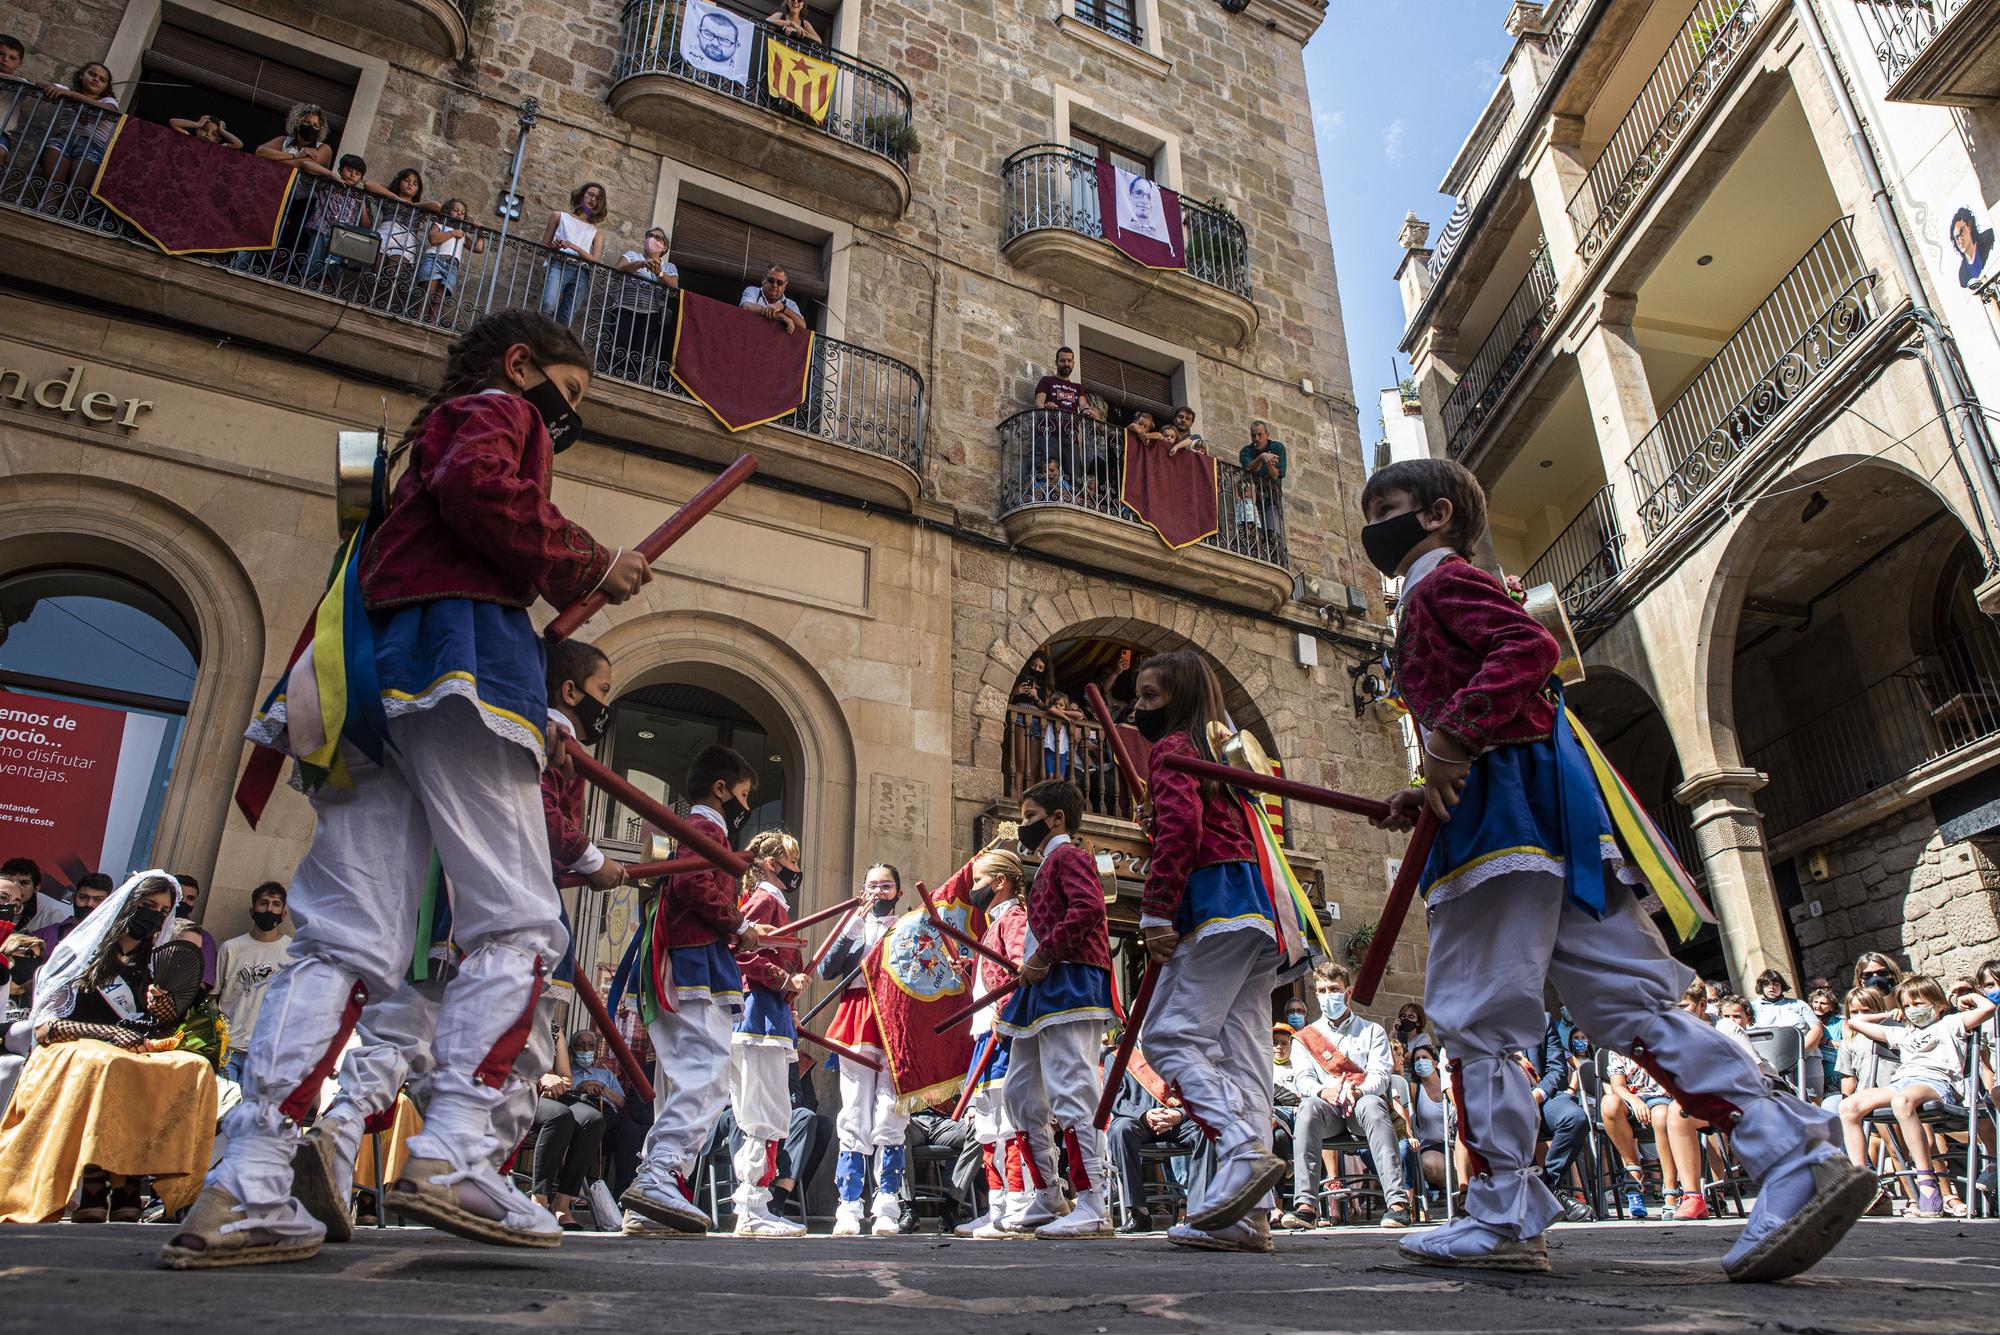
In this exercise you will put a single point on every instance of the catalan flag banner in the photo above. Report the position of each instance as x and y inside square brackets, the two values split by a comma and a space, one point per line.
[800, 79]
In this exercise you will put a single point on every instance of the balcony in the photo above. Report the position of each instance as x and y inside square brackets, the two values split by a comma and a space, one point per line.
[1930, 708]
[1771, 360]
[1053, 227]
[858, 154]
[443, 26]
[1943, 53]
[859, 430]
[1060, 484]
[1584, 559]
[1685, 80]
[1506, 351]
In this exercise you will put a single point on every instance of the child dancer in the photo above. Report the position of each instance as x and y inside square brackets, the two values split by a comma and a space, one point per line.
[1207, 918]
[1527, 882]
[470, 539]
[765, 1043]
[996, 890]
[869, 1123]
[393, 1037]
[1055, 1019]
[696, 991]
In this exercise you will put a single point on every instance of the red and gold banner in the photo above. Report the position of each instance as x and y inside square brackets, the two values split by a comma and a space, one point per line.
[1173, 493]
[188, 196]
[799, 79]
[745, 369]
[913, 981]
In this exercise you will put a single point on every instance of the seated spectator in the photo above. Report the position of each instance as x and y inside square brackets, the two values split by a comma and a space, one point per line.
[626, 1139]
[932, 1127]
[71, 138]
[1285, 1072]
[811, 1131]
[91, 889]
[1413, 1028]
[341, 205]
[1826, 1009]
[448, 238]
[790, 19]
[1876, 970]
[1857, 1063]
[12, 52]
[1732, 1017]
[1430, 1109]
[213, 129]
[188, 910]
[1143, 1118]
[1774, 1010]
[40, 909]
[1342, 1092]
[1929, 1036]
[1052, 488]
[768, 299]
[570, 1122]
[1553, 1072]
[642, 307]
[574, 236]
[1715, 993]
[1695, 1001]
[247, 965]
[1633, 1098]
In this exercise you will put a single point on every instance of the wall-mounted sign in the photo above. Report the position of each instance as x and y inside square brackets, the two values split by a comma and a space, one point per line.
[65, 394]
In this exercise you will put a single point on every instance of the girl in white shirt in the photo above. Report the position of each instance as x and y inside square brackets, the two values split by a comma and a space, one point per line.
[574, 238]
[72, 137]
[449, 238]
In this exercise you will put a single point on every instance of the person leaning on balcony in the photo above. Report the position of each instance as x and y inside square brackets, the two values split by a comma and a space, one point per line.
[642, 304]
[211, 128]
[303, 144]
[1264, 461]
[790, 19]
[768, 299]
[12, 52]
[577, 243]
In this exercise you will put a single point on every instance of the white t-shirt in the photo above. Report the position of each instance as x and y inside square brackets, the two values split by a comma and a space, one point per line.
[753, 298]
[1935, 1053]
[1784, 1012]
[244, 969]
[402, 232]
[452, 247]
[577, 232]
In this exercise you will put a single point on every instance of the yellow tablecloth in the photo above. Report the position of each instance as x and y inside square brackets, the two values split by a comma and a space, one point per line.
[83, 1103]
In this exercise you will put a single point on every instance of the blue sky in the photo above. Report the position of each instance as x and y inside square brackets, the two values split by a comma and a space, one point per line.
[1394, 93]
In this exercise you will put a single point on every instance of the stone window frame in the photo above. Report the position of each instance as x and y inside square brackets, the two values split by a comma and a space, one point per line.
[142, 20]
[1081, 110]
[727, 195]
[1148, 56]
[1078, 325]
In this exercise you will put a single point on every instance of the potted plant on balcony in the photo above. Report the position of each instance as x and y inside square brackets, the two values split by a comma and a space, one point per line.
[1705, 31]
[1216, 251]
[891, 134]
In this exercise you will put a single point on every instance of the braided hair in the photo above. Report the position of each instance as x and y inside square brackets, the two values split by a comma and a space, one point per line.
[769, 844]
[475, 359]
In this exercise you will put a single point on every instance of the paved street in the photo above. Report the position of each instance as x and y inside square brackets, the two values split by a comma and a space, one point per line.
[1888, 1276]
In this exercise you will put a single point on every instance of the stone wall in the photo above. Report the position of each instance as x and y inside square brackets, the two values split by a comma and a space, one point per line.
[1898, 888]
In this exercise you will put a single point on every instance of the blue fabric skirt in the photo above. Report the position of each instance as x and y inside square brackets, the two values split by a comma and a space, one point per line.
[766, 1015]
[1072, 991]
[481, 652]
[996, 1070]
[1224, 897]
[708, 972]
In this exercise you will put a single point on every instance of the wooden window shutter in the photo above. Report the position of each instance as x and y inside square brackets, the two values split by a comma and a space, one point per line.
[1126, 384]
[706, 241]
[182, 53]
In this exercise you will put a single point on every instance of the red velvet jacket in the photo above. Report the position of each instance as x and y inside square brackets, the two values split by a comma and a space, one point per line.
[1066, 909]
[1006, 936]
[699, 907]
[771, 969]
[1191, 830]
[471, 516]
[562, 810]
[1471, 662]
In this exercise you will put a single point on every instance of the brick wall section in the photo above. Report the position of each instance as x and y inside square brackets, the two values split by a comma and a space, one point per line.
[1898, 888]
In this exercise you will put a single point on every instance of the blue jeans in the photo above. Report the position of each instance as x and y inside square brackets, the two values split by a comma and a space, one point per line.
[561, 288]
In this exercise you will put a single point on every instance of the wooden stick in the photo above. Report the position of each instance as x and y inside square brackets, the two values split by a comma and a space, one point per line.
[815, 919]
[812, 965]
[827, 1000]
[978, 1074]
[1376, 962]
[781, 941]
[657, 542]
[600, 774]
[1121, 755]
[840, 1050]
[1374, 808]
[965, 1013]
[1135, 1015]
[635, 1075]
[640, 871]
[930, 909]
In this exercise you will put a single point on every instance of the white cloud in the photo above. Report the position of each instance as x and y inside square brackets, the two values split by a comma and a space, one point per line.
[1329, 124]
[1392, 139]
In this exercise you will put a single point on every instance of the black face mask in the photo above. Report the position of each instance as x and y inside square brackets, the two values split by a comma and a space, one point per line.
[1150, 723]
[1033, 834]
[883, 908]
[145, 923]
[307, 135]
[981, 897]
[1883, 981]
[23, 969]
[264, 920]
[734, 813]
[183, 910]
[1388, 541]
[564, 422]
[791, 878]
[10, 912]
[593, 719]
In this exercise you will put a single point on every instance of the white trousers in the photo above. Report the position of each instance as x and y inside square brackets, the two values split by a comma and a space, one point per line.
[1490, 952]
[691, 1046]
[1052, 1076]
[760, 1091]
[1209, 1033]
[449, 784]
[868, 1119]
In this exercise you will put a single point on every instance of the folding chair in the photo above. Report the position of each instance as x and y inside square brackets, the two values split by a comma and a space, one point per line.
[1783, 1050]
[1159, 1193]
[929, 1171]
[1607, 1170]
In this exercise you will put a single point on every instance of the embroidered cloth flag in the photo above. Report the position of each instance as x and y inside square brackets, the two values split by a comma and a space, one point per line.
[717, 42]
[1173, 493]
[801, 80]
[1141, 217]
[913, 982]
[188, 196]
[745, 369]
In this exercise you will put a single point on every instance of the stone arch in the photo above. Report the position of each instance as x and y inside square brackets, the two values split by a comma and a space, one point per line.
[55, 520]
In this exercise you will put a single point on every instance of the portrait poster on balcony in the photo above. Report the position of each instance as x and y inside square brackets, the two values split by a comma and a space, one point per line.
[745, 369]
[1173, 493]
[799, 79]
[717, 42]
[74, 782]
[188, 196]
[1141, 217]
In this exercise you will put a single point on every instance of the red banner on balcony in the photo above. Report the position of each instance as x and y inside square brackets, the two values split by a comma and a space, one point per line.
[745, 369]
[1173, 493]
[188, 196]
[1141, 217]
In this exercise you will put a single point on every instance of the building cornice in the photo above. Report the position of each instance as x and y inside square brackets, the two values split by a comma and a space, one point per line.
[1297, 19]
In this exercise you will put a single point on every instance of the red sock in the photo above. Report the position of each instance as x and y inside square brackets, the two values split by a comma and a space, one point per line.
[1015, 1181]
[996, 1180]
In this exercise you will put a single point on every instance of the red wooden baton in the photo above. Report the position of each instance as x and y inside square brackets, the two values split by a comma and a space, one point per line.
[1374, 808]
[1135, 1015]
[840, 1050]
[640, 871]
[978, 1074]
[635, 1075]
[601, 775]
[1376, 962]
[966, 1012]
[937, 921]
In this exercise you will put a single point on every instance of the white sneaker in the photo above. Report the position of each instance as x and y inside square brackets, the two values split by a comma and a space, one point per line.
[1803, 1208]
[847, 1220]
[664, 1203]
[1468, 1242]
[1086, 1220]
[1252, 1234]
[884, 1227]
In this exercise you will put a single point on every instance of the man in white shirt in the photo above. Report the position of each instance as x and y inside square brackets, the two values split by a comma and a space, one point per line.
[1343, 1084]
[246, 967]
[769, 300]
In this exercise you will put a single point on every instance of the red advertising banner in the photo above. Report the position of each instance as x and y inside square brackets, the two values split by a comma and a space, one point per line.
[58, 772]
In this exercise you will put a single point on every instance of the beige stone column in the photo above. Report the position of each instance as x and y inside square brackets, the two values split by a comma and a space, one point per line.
[1554, 169]
[1621, 402]
[1434, 367]
[1729, 835]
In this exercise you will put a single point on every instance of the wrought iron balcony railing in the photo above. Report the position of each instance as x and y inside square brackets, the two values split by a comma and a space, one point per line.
[1497, 364]
[1120, 18]
[1042, 745]
[869, 107]
[1052, 458]
[1773, 357]
[1050, 186]
[1494, 151]
[1923, 711]
[854, 397]
[1688, 74]
[1901, 29]
[1585, 557]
